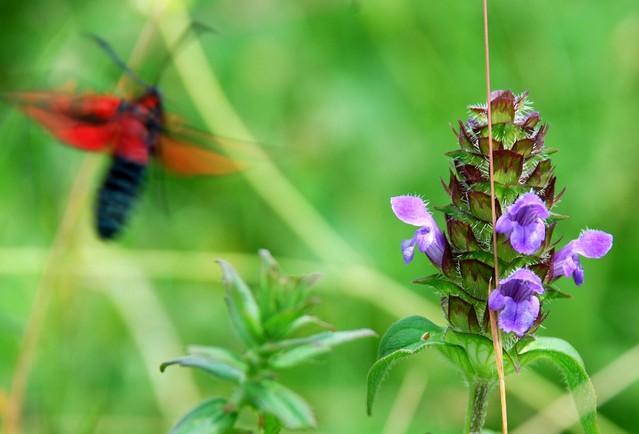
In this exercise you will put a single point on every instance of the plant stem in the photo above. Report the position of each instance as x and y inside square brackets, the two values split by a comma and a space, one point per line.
[477, 405]
[499, 361]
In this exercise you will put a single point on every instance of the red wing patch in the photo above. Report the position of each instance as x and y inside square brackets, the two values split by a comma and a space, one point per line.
[84, 121]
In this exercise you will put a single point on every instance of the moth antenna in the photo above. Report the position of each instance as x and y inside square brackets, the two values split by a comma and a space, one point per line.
[196, 27]
[112, 54]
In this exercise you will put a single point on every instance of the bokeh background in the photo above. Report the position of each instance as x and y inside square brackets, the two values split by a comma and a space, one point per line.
[351, 100]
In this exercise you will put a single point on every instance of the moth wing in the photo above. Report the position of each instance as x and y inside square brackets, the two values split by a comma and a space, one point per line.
[87, 122]
[186, 159]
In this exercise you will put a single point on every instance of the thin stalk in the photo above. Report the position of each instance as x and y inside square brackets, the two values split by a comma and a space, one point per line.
[493, 323]
[477, 405]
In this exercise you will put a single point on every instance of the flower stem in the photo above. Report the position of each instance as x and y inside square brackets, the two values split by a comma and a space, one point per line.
[495, 332]
[477, 405]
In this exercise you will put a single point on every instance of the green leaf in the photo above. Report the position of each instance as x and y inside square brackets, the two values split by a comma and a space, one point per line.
[466, 157]
[295, 351]
[461, 314]
[502, 104]
[480, 205]
[216, 361]
[208, 417]
[243, 309]
[568, 360]
[440, 283]
[475, 276]
[271, 424]
[479, 351]
[461, 235]
[271, 397]
[478, 225]
[552, 293]
[305, 320]
[541, 175]
[508, 167]
[506, 194]
[403, 339]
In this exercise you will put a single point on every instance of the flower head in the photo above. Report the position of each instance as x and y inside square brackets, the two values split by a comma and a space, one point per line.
[523, 223]
[428, 238]
[515, 297]
[591, 244]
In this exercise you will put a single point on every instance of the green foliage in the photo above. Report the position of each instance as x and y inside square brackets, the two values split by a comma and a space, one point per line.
[403, 339]
[562, 355]
[264, 320]
[208, 417]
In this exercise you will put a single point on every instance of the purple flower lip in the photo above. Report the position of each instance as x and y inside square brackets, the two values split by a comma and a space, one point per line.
[523, 223]
[515, 298]
[428, 237]
[591, 244]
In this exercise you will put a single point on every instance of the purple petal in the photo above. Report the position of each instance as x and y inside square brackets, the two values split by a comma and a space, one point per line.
[504, 225]
[496, 301]
[519, 317]
[408, 250]
[527, 239]
[531, 205]
[428, 238]
[412, 210]
[527, 276]
[593, 244]
[578, 275]
[523, 223]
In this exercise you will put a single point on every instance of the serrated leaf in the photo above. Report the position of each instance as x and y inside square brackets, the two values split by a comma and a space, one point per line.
[465, 138]
[461, 235]
[464, 217]
[505, 194]
[461, 315]
[243, 309]
[524, 147]
[440, 284]
[481, 256]
[568, 360]
[484, 145]
[480, 205]
[508, 166]
[273, 398]
[466, 157]
[295, 351]
[208, 417]
[469, 174]
[403, 339]
[222, 368]
[541, 175]
[475, 276]
[553, 293]
[502, 104]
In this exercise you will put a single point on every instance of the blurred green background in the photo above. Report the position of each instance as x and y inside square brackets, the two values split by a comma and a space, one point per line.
[352, 102]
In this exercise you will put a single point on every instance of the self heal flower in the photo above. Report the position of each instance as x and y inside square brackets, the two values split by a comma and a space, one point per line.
[516, 296]
[591, 244]
[523, 223]
[428, 238]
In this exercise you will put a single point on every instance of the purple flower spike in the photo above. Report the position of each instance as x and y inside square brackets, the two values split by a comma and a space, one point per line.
[591, 244]
[523, 223]
[516, 296]
[428, 238]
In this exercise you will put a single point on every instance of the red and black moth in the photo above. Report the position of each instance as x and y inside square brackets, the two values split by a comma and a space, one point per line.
[133, 131]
